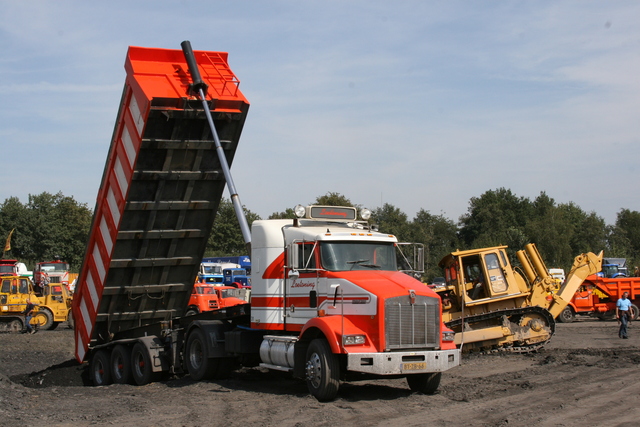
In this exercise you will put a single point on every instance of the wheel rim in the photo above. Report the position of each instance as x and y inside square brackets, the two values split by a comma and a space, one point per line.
[314, 370]
[138, 364]
[98, 371]
[196, 355]
[118, 367]
[39, 319]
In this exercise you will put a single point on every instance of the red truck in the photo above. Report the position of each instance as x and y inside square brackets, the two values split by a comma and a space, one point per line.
[328, 302]
[598, 296]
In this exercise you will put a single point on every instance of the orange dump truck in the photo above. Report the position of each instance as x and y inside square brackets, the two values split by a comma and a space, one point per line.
[598, 296]
[328, 302]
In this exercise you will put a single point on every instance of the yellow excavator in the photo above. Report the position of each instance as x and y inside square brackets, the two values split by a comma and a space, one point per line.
[490, 305]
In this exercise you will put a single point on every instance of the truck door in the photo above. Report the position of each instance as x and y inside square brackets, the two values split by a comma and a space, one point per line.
[302, 292]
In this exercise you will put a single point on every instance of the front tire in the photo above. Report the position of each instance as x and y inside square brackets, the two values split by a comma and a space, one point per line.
[424, 383]
[567, 315]
[99, 368]
[322, 371]
[43, 318]
[121, 365]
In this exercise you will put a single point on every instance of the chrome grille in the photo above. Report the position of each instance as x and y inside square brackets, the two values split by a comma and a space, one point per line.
[412, 325]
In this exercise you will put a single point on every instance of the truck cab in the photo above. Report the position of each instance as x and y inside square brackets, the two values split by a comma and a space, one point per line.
[210, 272]
[328, 289]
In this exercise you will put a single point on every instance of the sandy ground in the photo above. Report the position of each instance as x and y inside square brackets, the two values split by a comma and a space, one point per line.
[585, 376]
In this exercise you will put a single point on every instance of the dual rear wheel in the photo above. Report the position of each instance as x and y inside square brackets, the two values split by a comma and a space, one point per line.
[123, 365]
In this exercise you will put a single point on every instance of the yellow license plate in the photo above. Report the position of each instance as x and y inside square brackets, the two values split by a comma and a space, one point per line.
[417, 366]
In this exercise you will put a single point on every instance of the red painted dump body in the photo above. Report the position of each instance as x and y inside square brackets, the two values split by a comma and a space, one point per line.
[599, 295]
[153, 216]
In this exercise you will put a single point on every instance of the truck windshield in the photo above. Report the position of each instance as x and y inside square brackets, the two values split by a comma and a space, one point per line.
[347, 256]
[55, 266]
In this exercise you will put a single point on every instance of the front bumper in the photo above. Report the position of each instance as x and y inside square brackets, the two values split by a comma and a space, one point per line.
[403, 362]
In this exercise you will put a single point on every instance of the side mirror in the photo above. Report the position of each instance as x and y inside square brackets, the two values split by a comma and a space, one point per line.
[294, 274]
[292, 256]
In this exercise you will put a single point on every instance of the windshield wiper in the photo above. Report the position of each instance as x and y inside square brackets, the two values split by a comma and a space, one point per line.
[362, 263]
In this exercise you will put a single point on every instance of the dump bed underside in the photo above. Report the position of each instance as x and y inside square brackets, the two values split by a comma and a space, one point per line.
[159, 195]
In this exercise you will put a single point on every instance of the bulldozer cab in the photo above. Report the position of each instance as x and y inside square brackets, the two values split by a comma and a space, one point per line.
[480, 274]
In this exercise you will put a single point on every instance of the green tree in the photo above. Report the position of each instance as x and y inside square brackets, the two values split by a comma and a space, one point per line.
[393, 221]
[495, 218]
[623, 238]
[47, 226]
[438, 234]
[226, 237]
[333, 199]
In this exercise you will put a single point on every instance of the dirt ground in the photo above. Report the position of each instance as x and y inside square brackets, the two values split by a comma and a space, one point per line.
[585, 376]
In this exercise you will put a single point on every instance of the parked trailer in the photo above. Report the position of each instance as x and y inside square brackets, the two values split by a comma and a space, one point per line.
[598, 296]
[328, 302]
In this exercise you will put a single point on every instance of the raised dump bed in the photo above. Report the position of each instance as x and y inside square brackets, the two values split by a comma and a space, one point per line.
[160, 191]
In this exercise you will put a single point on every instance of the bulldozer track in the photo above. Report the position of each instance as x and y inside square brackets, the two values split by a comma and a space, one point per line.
[510, 313]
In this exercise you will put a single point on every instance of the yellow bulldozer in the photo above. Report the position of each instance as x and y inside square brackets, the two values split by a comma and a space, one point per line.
[53, 303]
[490, 305]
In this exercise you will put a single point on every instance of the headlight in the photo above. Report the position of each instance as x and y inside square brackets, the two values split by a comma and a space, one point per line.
[365, 214]
[300, 211]
[353, 339]
[448, 335]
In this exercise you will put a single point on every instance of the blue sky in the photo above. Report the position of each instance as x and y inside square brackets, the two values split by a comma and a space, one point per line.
[419, 104]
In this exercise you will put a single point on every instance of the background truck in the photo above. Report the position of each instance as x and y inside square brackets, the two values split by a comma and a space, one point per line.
[598, 296]
[491, 305]
[53, 303]
[55, 271]
[242, 261]
[210, 272]
[328, 303]
[207, 297]
[613, 268]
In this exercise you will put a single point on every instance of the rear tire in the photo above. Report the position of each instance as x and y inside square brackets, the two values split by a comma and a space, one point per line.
[141, 367]
[322, 371]
[199, 365]
[634, 311]
[567, 315]
[99, 368]
[424, 383]
[121, 365]
[43, 318]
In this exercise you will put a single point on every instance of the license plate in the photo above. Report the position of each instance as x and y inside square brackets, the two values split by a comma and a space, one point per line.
[417, 366]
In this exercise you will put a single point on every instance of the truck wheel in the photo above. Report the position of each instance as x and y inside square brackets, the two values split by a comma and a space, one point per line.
[43, 318]
[121, 365]
[15, 326]
[567, 315]
[141, 367]
[322, 371]
[99, 368]
[191, 312]
[424, 383]
[634, 311]
[199, 365]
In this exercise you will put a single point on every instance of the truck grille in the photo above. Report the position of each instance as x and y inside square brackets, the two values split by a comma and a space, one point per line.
[414, 325]
[54, 279]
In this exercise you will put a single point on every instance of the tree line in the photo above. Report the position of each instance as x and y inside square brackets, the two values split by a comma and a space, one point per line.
[50, 225]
